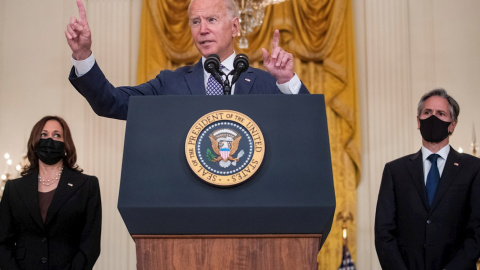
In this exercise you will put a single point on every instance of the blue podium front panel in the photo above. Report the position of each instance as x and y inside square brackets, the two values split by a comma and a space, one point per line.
[291, 193]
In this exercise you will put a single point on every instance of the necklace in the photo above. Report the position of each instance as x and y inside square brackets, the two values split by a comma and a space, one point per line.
[48, 182]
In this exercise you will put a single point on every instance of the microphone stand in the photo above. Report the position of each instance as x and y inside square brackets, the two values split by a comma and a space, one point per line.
[240, 65]
[212, 66]
[227, 87]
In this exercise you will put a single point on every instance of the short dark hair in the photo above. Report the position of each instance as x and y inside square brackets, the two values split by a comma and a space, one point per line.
[70, 158]
[454, 107]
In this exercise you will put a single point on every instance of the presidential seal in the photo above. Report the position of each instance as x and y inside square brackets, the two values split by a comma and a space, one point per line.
[224, 148]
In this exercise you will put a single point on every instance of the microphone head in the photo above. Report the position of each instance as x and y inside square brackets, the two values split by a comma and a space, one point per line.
[212, 63]
[240, 63]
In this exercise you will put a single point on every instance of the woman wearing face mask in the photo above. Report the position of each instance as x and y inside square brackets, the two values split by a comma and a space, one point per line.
[50, 218]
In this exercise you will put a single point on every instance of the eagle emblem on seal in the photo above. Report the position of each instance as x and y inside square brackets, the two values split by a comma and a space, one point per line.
[225, 144]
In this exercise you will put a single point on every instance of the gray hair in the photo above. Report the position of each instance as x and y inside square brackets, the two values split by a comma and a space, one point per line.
[231, 5]
[454, 107]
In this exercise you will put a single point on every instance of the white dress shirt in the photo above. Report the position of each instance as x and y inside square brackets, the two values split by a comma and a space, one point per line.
[443, 154]
[291, 87]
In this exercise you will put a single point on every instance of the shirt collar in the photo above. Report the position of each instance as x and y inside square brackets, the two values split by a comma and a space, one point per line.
[443, 153]
[227, 63]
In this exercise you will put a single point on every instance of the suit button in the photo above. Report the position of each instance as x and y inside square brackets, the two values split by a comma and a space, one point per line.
[44, 260]
[429, 221]
[44, 240]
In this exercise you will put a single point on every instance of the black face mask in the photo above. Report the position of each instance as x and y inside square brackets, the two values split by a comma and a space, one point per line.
[433, 129]
[50, 151]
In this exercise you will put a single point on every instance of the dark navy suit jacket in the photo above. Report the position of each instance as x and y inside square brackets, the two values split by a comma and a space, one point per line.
[409, 234]
[109, 101]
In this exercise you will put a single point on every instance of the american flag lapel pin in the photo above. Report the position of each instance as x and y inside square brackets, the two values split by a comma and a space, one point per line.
[456, 164]
[247, 79]
[70, 184]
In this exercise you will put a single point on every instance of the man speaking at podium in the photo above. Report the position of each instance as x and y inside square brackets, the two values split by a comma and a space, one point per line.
[214, 25]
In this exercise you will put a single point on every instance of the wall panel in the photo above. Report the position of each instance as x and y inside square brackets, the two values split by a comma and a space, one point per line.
[110, 23]
[384, 90]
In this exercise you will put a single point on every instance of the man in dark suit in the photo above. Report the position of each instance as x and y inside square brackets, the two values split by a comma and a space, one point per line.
[428, 209]
[214, 24]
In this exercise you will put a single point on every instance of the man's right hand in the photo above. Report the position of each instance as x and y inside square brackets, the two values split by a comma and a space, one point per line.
[78, 34]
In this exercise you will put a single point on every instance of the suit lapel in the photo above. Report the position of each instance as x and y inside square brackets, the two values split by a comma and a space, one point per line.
[28, 191]
[453, 165]
[245, 82]
[415, 168]
[68, 184]
[195, 81]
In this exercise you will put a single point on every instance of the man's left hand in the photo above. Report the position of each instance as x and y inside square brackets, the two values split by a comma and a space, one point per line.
[279, 63]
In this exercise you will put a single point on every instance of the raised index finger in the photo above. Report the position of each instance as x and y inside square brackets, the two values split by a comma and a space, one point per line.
[81, 11]
[276, 39]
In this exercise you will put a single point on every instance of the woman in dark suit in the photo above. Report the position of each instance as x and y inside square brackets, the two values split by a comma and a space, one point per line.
[50, 218]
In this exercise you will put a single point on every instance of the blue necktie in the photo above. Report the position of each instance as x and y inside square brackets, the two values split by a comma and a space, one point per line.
[213, 86]
[432, 178]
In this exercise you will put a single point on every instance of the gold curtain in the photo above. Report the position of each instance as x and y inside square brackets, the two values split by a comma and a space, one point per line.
[320, 35]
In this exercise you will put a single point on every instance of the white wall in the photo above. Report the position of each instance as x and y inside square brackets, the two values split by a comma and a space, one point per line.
[404, 48]
[34, 67]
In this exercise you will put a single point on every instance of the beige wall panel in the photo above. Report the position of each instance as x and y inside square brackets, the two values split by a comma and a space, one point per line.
[34, 66]
[404, 49]
[384, 91]
[110, 22]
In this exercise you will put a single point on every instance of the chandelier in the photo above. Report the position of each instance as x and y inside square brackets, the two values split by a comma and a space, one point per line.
[7, 175]
[251, 13]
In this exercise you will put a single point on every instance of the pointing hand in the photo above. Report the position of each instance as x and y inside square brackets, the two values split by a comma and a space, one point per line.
[78, 34]
[279, 63]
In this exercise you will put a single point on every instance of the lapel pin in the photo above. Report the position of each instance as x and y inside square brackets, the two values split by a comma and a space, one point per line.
[247, 79]
[70, 184]
[456, 164]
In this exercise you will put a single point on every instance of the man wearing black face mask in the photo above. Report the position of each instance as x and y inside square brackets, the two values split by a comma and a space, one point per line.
[428, 208]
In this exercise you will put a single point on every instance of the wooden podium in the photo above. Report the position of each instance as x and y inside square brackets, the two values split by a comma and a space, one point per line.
[277, 219]
[209, 252]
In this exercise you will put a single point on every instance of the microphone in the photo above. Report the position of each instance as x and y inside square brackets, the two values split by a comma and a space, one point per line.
[212, 63]
[212, 66]
[240, 65]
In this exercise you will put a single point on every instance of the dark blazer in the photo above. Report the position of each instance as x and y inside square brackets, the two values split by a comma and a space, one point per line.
[411, 235]
[108, 101]
[70, 237]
